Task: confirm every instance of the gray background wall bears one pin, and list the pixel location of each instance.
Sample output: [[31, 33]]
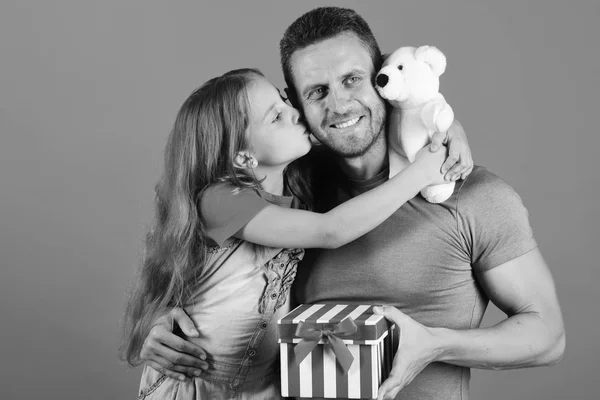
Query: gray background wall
[[88, 93]]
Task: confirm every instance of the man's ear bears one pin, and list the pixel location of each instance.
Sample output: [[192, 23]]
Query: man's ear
[[244, 160]]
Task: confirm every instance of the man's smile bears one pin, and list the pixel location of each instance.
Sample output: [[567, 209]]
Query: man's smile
[[346, 124]]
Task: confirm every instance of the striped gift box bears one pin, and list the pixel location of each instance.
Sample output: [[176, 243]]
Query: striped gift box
[[320, 373]]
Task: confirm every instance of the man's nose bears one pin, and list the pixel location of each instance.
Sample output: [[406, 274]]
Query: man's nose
[[339, 101]]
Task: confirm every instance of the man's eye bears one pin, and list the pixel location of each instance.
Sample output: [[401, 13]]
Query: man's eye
[[316, 94], [354, 79]]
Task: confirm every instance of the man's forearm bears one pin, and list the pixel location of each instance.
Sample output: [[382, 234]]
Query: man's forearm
[[522, 340]]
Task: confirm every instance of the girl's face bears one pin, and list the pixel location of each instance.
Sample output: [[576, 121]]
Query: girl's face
[[275, 134]]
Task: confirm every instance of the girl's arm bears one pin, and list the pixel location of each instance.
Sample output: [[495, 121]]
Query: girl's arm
[[276, 226]]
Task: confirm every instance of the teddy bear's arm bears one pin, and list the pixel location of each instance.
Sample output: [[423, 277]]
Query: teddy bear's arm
[[437, 115]]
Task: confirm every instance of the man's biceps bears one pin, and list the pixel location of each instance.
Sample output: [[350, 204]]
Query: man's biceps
[[522, 283]]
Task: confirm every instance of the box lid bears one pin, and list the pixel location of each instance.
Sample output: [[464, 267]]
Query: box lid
[[370, 328]]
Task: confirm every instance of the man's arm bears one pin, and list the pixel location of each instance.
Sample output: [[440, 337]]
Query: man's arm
[[531, 335]]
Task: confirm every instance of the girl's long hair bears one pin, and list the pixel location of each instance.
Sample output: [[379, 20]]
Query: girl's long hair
[[210, 128]]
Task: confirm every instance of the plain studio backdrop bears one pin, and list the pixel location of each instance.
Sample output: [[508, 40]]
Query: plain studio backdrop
[[89, 91]]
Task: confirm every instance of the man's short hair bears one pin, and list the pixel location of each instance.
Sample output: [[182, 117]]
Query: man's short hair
[[321, 24]]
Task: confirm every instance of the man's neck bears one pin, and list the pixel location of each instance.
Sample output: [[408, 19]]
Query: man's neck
[[368, 165]]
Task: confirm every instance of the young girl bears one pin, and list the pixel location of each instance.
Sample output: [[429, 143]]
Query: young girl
[[231, 223]]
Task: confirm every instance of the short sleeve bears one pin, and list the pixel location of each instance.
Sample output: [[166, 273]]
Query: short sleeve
[[493, 220], [225, 210]]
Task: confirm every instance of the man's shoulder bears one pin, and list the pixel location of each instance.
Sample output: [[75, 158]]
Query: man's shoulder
[[483, 188], [493, 219], [482, 183]]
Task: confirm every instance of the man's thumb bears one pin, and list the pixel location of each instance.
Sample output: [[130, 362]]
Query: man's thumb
[[185, 323], [378, 310], [390, 312]]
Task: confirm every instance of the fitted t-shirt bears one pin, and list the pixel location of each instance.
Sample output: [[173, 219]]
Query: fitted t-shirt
[[425, 260]]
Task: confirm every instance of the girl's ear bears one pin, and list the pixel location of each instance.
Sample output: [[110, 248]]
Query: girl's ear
[[244, 160]]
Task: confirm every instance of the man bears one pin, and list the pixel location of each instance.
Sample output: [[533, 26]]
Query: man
[[435, 264]]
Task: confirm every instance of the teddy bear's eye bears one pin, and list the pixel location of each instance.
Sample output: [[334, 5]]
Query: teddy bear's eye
[[400, 67]]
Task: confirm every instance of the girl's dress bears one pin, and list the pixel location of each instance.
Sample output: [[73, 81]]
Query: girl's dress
[[242, 291]]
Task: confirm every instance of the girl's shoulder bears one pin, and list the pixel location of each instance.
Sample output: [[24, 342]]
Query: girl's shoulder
[[222, 189], [226, 197], [225, 194], [226, 208]]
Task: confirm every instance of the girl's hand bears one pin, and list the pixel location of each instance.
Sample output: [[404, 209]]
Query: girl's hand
[[459, 163], [429, 163]]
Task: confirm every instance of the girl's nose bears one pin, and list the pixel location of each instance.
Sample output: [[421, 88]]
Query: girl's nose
[[296, 116]]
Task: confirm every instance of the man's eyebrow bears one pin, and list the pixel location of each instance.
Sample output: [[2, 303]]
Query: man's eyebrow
[[355, 71]]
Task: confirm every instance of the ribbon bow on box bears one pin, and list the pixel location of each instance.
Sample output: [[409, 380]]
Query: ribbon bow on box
[[311, 335]]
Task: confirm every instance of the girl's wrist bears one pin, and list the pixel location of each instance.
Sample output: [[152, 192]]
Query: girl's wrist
[[420, 175]]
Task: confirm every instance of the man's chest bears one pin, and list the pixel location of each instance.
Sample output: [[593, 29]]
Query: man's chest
[[416, 257]]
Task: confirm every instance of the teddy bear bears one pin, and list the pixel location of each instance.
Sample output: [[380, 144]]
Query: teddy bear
[[409, 81]]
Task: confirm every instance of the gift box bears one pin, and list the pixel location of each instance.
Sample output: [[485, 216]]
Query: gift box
[[334, 351]]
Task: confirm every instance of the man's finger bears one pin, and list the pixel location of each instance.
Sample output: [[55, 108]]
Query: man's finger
[[389, 388], [394, 392], [180, 345], [391, 313], [184, 322], [167, 365], [180, 359], [171, 374], [176, 366]]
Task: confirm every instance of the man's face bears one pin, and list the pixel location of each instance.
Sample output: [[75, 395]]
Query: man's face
[[333, 81]]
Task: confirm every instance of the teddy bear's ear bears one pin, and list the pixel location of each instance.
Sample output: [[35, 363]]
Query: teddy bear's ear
[[432, 56]]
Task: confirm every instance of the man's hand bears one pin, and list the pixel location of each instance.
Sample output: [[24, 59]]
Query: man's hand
[[416, 350], [459, 163], [170, 354]]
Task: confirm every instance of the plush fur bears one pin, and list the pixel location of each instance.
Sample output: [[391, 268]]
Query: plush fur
[[409, 81]]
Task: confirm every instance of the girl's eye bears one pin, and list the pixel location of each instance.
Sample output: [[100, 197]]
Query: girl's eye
[[277, 117]]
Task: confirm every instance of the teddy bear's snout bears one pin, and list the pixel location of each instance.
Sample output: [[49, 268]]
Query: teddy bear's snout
[[382, 80]]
